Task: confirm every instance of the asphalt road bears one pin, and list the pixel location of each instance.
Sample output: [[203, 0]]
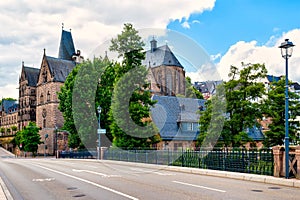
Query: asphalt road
[[91, 179]]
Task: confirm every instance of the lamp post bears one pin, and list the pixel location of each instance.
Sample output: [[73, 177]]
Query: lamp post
[[286, 52], [98, 131]]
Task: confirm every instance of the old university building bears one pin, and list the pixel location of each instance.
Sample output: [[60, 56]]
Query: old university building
[[38, 98]]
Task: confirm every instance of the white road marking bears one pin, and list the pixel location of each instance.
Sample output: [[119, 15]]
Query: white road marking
[[199, 186], [43, 179], [154, 172], [97, 173], [89, 182]]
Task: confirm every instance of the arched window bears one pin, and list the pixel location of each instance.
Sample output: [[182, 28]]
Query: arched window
[[48, 96], [42, 99]]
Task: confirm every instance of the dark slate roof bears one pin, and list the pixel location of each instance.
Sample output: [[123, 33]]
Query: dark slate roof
[[296, 86], [60, 68], [272, 78], [207, 86], [169, 111], [255, 133], [66, 47], [161, 56], [6, 104], [13, 108], [32, 75]]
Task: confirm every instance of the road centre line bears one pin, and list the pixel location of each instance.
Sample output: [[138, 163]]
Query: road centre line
[[199, 186], [89, 182]]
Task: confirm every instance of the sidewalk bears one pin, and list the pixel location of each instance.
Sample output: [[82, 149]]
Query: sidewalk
[[234, 175]]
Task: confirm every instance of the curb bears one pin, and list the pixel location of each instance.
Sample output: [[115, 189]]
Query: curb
[[224, 174]]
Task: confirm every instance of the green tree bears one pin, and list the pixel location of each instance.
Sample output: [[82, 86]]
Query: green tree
[[275, 109], [243, 94], [29, 137], [77, 102], [14, 128], [104, 94], [2, 130], [131, 102], [127, 41], [65, 106]]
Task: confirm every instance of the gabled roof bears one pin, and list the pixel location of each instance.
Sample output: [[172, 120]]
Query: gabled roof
[[161, 56], [60, 68], [6, 104], [170, 111], [66, 47], [32, 75]]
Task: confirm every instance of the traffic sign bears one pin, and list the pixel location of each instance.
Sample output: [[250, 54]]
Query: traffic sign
[[101, 131]]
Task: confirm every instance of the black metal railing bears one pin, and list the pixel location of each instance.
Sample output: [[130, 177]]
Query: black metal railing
[[236, 160], [78, 154]]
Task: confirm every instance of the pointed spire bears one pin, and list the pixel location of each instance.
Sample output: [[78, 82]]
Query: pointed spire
[[62, 26], [44, 51], [66, 47]]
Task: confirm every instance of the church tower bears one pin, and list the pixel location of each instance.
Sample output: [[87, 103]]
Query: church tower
[[166, 74]]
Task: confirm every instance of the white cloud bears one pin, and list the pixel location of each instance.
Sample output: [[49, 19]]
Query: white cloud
[[250, 52], [186, 25], [27, 27]]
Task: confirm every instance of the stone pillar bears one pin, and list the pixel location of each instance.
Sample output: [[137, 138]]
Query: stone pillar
[[297, 152], [278, 152], [102, 150]]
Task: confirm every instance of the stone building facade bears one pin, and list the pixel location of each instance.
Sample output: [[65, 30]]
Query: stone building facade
[[38, 94], [27, 96], [8, 117]]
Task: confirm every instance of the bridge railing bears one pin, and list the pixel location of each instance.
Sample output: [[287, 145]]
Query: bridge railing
[[236, 160]]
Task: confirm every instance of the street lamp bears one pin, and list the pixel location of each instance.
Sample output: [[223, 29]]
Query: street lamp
[[286, 52], [98, 131]]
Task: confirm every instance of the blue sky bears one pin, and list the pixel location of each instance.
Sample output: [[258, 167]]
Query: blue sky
[[229, 31], [231, 21]]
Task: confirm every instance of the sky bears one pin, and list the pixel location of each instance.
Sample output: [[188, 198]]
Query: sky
[[228, 31]]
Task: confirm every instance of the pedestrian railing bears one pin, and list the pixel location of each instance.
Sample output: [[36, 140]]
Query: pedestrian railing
[[236, 160]]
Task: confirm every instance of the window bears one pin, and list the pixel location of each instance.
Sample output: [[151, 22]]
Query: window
[[44, 123], [189, 126], [42, 99], [48, 96]]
